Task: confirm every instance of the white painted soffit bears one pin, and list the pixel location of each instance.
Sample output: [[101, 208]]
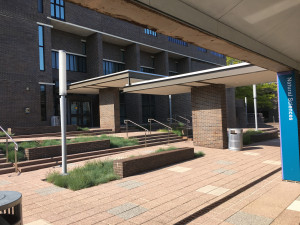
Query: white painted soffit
[[264, 33], [242, 74]]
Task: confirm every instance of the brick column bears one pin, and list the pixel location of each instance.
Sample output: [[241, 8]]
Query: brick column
[[94, 53], [181, 104], [230, 108], [133, 101], [109, 108], [209, 116], [161, 63]]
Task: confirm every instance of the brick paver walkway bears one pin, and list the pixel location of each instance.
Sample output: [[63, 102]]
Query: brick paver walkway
[[224, 187]]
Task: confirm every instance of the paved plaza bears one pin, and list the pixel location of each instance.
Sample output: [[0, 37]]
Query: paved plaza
[[223, 187]]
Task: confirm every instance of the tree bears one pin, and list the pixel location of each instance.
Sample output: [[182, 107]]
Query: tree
[[231, 61], [266, 96]]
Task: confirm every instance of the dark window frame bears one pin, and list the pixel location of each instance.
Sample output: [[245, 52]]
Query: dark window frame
[[112, 67], [74, 63], [40, 6], [41, 47], [60, 6]]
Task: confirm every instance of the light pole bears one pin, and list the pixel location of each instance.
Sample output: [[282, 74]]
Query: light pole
[[63, 119], [255, 106]]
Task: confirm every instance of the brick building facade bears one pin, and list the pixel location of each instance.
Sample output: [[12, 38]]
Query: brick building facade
[[31, 33]]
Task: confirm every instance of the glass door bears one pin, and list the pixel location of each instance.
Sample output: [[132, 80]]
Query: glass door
[[80, 113]]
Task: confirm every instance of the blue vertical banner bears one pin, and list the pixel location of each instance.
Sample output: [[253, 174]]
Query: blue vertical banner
[[289, 129]]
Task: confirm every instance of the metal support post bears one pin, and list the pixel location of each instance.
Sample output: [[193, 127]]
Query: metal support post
[[255, 106]]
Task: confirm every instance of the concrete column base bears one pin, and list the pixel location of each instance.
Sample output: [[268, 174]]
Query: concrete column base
[[209, 116]]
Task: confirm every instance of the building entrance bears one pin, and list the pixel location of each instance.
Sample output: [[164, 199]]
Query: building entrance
[[80, 113]]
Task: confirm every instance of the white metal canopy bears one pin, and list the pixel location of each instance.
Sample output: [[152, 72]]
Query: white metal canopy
[[242, 74]]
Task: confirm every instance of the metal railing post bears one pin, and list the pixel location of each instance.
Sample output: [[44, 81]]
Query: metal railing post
[[145, 139], [6, 149], [168, 136], [127, 129], [126, 122], [150, 127], [16, 148]]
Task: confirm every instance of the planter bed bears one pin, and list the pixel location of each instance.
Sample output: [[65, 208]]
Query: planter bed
[[55, 150], [264, 136], [132, 166]]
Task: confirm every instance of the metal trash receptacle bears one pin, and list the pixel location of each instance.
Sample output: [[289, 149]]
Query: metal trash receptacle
[[235, 139], [11, 208]]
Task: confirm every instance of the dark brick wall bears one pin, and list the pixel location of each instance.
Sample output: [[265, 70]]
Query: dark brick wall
[[19, 57], [94, 49], [209, 116], [133, 101], [146, 59], [19, 64], [52, 151], [132, 166], [112, 52], [173, 64]]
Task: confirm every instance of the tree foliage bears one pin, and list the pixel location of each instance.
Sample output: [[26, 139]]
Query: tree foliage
[[266, 96], [231, 61]]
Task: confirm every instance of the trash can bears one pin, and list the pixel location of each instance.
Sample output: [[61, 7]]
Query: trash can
[[11, 208], [235, 139]]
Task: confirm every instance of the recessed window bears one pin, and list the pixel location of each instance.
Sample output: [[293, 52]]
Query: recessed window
[[150, 32], [177, 41], [40, 6], [41, 48], [43, 102], [147, 69], [202, 49], [112, 67], [218, 54], [58, 9], [74, 63]]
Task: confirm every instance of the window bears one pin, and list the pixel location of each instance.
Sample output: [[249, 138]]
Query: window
[[41, 48], [58, 9], [177, 41], [150, 32], [217, 54], [112, 67], [40, 6], [147, 69], [74, 63], [148, 107], [202, 49], [43, 102]]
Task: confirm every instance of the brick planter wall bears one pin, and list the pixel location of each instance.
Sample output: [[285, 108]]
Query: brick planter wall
[[264, 136], [39, 130], [55, 150], [132, 166]]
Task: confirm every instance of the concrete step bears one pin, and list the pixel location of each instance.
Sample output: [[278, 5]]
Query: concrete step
[[142, 141], [2, 160], [31, 165], [7, 170], [152, 136], [6, 165]]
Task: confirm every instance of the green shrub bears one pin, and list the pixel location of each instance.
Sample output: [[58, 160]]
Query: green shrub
[[82, 128], [165, 149], [92, 174], [247, 136], [177, 131], [199, 154]]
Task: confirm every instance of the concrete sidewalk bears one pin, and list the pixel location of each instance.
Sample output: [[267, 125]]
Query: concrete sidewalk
[[223, 187]]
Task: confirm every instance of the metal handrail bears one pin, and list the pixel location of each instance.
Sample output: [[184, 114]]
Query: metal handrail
[[126, 122], [169, 128], [16, 148], [171, 119], [187, 120]]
